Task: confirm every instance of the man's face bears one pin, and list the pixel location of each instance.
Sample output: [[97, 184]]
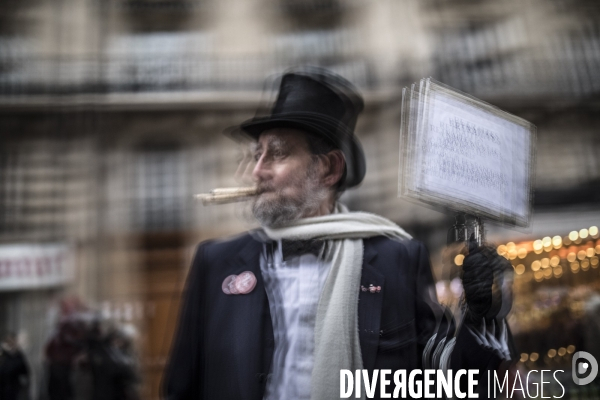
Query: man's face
[[287, 176]]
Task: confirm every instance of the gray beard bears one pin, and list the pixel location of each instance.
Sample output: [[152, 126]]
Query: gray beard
[[282, 209]]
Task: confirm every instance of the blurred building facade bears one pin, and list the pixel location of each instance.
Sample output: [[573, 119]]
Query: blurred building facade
[[111, 113]]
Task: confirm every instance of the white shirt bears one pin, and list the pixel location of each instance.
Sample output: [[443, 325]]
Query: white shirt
[[293, 288]]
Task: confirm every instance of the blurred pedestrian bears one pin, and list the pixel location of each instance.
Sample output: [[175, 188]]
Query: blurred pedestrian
[[90, 358], [14, 371], [113, 368], [61, 351], [65, 347]]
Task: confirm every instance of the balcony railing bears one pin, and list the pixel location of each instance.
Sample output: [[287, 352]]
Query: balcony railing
[[43, 75]]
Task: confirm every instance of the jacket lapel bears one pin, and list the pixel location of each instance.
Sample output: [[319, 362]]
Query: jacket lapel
[[369, 307], [254, 340]]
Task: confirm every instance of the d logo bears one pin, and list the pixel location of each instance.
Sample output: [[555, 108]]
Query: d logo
[[581, 369]]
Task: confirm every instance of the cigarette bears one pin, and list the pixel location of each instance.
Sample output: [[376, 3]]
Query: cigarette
[[226, 195]]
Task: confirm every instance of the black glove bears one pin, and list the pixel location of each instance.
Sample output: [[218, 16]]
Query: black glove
[[487, 283]]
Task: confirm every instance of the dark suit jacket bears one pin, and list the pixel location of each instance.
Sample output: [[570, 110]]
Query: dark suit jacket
[[224, 344]]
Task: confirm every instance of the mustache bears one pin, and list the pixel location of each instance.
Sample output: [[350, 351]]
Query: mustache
[[264, 187]]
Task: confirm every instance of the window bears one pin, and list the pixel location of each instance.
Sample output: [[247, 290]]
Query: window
[[160, 193]]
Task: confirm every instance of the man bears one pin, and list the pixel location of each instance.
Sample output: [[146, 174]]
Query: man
[[278, 312], [14, 371]]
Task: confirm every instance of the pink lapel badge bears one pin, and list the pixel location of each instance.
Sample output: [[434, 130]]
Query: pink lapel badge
[[243, 283], [227, 283]]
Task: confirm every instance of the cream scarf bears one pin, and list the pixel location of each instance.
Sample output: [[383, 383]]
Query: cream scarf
[[337, 343]]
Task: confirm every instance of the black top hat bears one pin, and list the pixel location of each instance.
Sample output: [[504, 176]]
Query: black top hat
[[323, 104]]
